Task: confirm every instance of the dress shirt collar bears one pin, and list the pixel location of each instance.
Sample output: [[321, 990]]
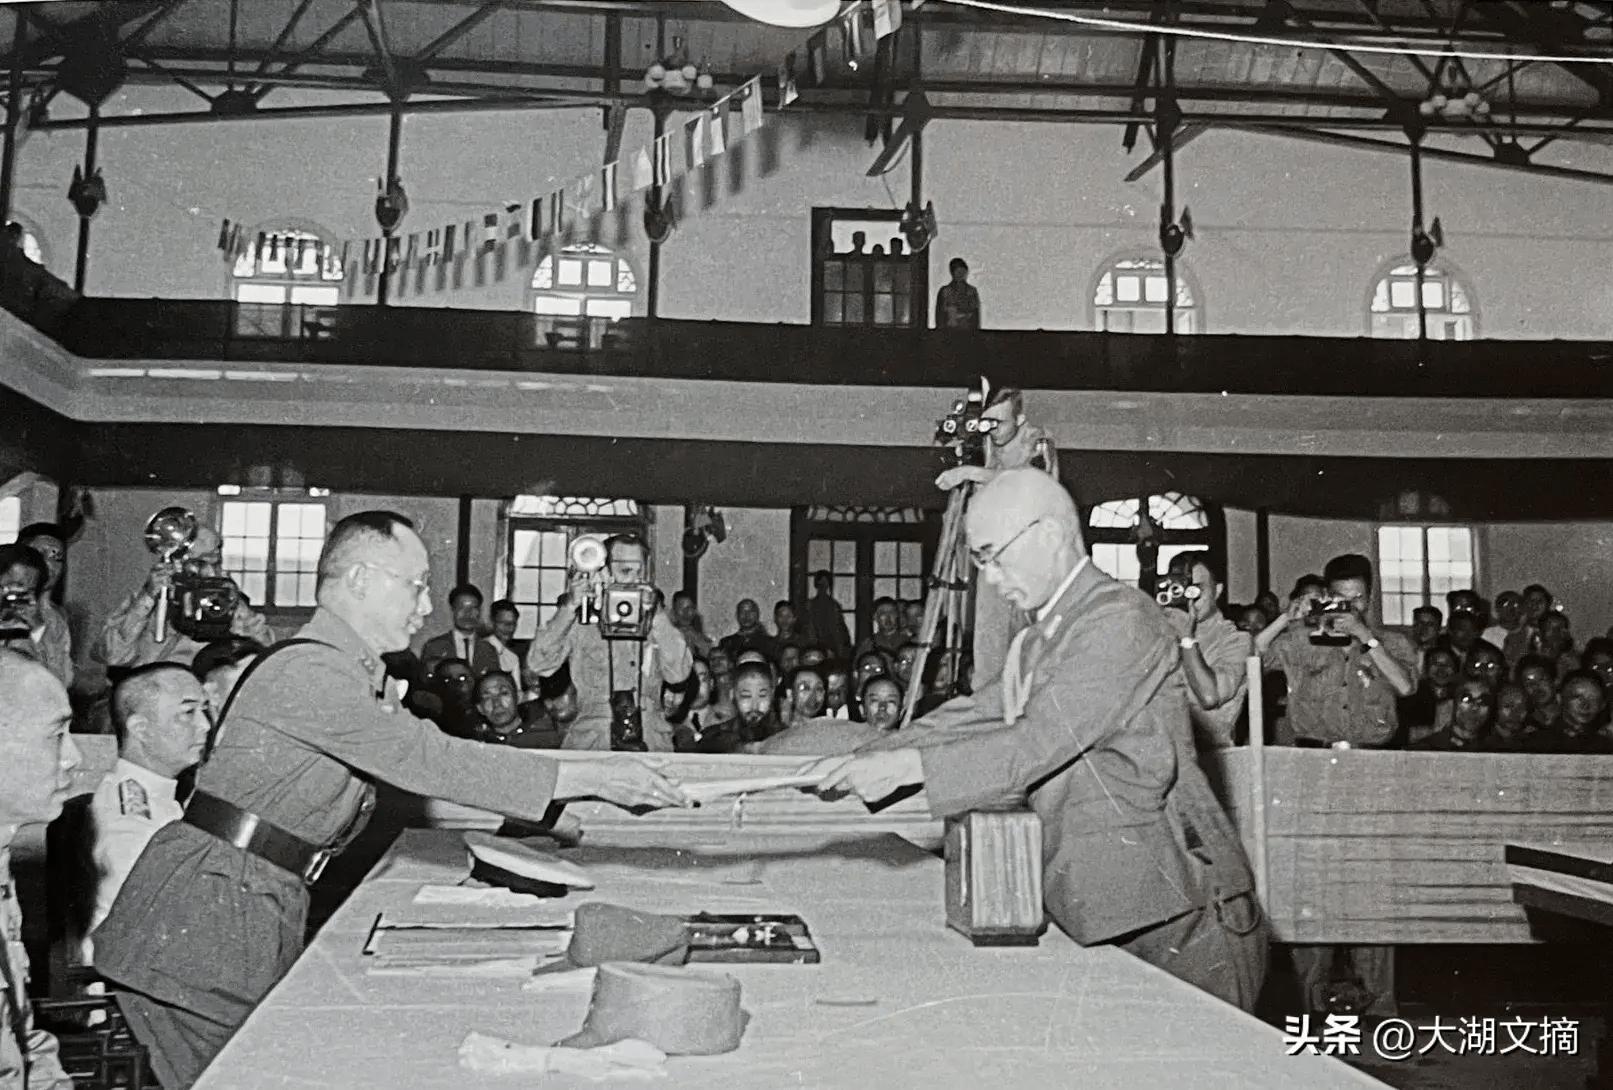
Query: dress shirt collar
[[157, 786], [1069, 580]]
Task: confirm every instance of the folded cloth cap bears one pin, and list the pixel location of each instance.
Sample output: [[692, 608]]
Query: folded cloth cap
[[604, 932], [682, 1012]]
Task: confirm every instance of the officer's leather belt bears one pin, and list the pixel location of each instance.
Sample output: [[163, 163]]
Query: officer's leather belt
[[253, 834]]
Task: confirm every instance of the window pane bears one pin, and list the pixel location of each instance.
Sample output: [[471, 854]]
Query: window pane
[[884, 557], [1155, 289], [601, 274], [834, 277], [564, 306], [312, 295], [526, 584], [10, 519], [1433, 295], [1128, 289], [884, 311], [911, 557], [854, 310], [845, 557], [1403, 294], [818, 552], [610, 308], [570, 273], [260, 293], [1119, 561], [552, 583], [257, 519], [254, 585], [885, 588]]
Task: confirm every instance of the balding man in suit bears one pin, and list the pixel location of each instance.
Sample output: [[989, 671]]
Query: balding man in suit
[[1088, 722]]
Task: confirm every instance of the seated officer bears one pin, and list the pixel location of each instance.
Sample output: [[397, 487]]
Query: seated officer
[[160, 713], [501, 721], [37, 759]]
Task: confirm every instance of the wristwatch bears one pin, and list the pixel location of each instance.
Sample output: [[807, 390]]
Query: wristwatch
[[1373, 643], [1187, 641]]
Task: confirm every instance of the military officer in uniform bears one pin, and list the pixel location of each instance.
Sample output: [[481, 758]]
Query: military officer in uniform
[[160, 713], [601, 668], [37, 758], [128, 638], [1088, 722], [214, 912]]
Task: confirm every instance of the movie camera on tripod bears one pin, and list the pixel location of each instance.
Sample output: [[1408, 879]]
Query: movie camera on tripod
[[967, 428]]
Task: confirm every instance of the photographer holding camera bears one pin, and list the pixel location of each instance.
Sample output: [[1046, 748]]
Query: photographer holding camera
[[23, 622], [1213, 648], [129, 636], [620, 659], [1344, 675]]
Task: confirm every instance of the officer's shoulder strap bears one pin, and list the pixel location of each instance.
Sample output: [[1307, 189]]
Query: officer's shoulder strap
[[240, 683]]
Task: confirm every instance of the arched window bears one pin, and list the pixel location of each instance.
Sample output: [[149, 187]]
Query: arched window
[[586, 281], [1447, 298], [1185, 524], [288, 265], [32, 246], [869, 553], [1129, 297]]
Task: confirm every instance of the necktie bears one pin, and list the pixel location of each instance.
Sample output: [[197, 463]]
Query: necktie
[[1014, 683]]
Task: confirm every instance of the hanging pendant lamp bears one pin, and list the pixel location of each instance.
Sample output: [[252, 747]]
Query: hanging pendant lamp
[[797, 14]]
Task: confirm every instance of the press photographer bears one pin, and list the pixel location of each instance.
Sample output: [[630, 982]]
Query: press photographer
[[622, 650], [185, 602], [1344, 674], [1213, 649], [23, 575]]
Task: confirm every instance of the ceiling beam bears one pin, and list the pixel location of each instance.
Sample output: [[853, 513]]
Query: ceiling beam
[[1527, 30], [503, 99], [460, 29], [1362, 143]]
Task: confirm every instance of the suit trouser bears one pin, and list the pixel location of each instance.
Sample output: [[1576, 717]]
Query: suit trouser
[[1374, 965], [1221, 948], [180, 1043]]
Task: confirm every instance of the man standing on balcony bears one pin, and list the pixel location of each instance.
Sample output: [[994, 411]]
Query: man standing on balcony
[[957, 304]]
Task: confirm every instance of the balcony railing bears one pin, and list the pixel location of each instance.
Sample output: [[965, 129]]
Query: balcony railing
[[157, 329]]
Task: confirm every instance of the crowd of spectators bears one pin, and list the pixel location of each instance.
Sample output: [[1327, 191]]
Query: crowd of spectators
[[1507, 676]]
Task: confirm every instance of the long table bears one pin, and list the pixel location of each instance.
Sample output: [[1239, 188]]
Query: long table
[[898, 1000]]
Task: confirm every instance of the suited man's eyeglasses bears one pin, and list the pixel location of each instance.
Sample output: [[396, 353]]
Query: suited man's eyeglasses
[[990, 557]]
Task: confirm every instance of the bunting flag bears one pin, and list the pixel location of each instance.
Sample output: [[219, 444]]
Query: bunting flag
[[787, 92], [432, 254], [887, 17], [694, 131], [717, 127], [591, 206], [662, 173], [751, 107], [818, 58]]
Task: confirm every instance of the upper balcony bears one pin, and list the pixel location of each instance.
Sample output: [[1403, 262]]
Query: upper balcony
[[346, 392]]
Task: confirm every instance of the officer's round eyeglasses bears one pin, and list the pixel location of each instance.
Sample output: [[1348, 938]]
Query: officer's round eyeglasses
[[419, 586]]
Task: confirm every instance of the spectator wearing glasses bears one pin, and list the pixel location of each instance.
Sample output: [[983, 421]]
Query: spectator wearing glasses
[[24, 625]]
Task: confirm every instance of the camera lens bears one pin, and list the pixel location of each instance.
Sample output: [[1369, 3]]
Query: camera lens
[[624, 610]]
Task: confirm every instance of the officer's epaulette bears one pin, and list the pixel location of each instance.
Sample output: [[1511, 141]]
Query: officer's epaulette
[[132, 799]]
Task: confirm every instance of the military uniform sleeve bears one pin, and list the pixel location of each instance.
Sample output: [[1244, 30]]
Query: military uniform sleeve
[[118, 643], [335, 712], [552, 644], [58, 647], [1104, 675]]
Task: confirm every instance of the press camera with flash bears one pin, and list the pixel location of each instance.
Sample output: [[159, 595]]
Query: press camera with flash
[[623, 611]]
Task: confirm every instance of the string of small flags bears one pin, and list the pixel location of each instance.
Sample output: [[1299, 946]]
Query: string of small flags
[[512, 237]]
